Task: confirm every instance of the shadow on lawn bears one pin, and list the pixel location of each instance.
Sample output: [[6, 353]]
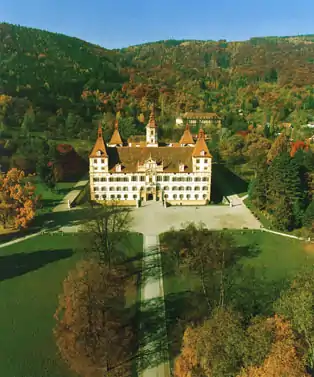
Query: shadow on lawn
[[19, 264], [227, 182]]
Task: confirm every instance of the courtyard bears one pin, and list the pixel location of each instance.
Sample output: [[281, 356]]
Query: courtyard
[[153, 218]]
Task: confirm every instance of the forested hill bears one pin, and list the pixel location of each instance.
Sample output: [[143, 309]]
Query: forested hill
[[51, 82], [52, 70]]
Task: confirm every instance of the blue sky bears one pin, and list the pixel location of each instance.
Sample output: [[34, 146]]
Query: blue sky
[[120, 23]]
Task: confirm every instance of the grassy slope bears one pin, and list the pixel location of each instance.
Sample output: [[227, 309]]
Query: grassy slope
[[31, 275], [275, 259]]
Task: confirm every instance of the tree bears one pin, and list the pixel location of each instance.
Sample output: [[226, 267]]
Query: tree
[[92, 331], [231, 149], [17, 199], [126, 127], [213, 348], [107, 230], [308, 218], [283, 359], [28, 121], [46, 162], [296, 304], [256, 149], [280, 145]]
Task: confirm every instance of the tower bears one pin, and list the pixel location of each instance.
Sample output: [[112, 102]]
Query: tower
[[151, 130]]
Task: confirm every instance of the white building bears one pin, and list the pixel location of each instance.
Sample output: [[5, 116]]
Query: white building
[[179, 173]]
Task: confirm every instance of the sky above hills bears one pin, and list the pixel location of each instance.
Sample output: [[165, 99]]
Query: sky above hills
[[120, 23]]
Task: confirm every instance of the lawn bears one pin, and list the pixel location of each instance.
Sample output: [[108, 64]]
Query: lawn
[[266, 264], [31, 275]]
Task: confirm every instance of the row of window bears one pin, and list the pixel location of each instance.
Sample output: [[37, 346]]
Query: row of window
[[102, 161], [166, 188], [119, 197], [205, 161], [165, 178], [183, 197]]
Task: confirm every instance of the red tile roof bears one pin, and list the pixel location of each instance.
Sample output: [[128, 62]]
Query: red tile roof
[[201, 146], [116, 138], [187, 136], [99, 146]]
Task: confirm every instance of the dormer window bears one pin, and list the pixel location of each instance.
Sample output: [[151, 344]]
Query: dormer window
[[118, 168], [98, 153], [181, 167], [202, 153]]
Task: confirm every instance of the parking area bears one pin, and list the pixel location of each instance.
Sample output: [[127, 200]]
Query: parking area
[[153, 218]]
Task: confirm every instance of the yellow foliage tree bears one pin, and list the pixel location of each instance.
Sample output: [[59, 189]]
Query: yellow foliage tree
[[17, 199]]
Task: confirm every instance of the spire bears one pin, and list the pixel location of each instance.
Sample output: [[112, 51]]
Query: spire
[[186, 137], [152, 120], [99, 149], [99, 130], [116, 138], [201, 149]]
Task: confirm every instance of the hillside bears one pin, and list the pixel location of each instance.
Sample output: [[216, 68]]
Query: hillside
[[58, 84]]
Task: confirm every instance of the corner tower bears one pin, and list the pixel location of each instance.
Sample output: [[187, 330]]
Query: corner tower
[[151, 130]]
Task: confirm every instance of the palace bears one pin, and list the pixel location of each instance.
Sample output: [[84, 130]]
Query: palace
[[176, 174]]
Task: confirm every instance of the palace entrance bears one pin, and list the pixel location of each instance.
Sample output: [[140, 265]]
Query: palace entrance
[[150, 196]]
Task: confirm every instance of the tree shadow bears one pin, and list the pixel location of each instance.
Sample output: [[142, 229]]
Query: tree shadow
[[19, 264], [227, 182]]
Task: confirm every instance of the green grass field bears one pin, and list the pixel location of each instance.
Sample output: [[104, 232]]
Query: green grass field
[[268, 264], [31, 275]]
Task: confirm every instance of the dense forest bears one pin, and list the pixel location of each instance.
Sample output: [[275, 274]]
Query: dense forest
[[61, 84]]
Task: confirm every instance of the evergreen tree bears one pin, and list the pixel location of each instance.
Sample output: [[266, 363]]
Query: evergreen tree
[[308, 218], [28, 121]]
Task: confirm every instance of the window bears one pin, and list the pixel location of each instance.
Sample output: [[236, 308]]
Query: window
[[197, 168], [166, 196], [166, 188], [125, 188], [95, 161], [96, 179], [125, 179], [206, 161], [135, 197], [174, 188], [181, 188], [152, 140], [95, 167], [189, 188], [104, 197], [96, 196], [150, 179], [111, 179], [196, 188], [103, 179], [111, 188], [102, 168], [125, 196], [202, 153], [204, 196], [188, 196], [166, 178], [181, 196], [134, 188], [96, 188], [112, 196], [102, 161], [204, 188], [189, 179], [175, 196], [134, 178], [196, 196], [174, 179], [118, 188], [118, 196], [159, 178], [197, 179], [197, 160], [151, 133], [142, 178], [104, 189], [205, 179]]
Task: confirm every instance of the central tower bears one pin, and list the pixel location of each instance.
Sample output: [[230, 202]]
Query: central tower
[[151, 130]]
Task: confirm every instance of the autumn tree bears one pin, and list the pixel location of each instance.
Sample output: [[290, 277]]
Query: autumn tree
[[296, 304], [256, 149], [283, 358], [17, 199], [280, 145], [106, 231], [92, 332]]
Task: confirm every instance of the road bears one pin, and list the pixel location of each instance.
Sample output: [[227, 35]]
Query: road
[[154, 352]]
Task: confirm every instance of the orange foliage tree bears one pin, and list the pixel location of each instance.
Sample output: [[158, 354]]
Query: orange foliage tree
[[17, 199], [283, 359], [92, 332], [296, 146], [187, 360]]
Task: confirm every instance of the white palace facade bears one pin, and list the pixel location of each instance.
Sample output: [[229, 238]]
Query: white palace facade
[[176, 174]]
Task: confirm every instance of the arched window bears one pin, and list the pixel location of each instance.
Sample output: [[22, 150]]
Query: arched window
[[166, 196], [112, 196], [204, 196], [205, 188], [196, 196], [175, 196], [174, 188], [197, 179], [125, 188], [104, 197], [125, 196], [97, 196], [134, 197], [104, 188], [181, 196], [111, 188], [188, 196], [197, 188], [166, 188], [181, 188], [205, 179], [118, 188], [119, 196], [189, 188]]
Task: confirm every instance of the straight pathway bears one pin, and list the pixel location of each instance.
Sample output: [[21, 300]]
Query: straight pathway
[[70, 197], [154, 356]]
